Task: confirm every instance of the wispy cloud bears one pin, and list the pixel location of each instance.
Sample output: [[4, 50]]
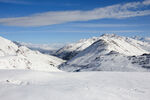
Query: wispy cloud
[[146, 2], [90, 25], [14, 1], [76, 31], [117, 11]]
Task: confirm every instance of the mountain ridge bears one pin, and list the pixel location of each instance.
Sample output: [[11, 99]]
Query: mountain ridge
[[110, 53], [69, 51]]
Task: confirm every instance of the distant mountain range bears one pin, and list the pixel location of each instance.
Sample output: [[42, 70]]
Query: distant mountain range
[[43, 48], [144, 39]]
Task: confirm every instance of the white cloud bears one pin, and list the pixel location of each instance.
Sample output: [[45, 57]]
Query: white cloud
[[44, 47], [90, 25], [77, 31], [146, 2], [49, 18]]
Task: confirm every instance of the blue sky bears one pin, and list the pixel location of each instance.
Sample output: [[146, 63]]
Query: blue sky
[[64, 21]]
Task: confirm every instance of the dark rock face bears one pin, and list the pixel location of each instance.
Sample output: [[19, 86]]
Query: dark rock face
[[66, 55], [143, 60]]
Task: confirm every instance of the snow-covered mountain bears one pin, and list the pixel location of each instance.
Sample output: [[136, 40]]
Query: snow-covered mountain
[[112, 53], [13, 56], [70, 50]]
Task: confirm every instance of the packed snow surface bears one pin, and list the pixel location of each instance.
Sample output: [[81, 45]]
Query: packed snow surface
[[34, 85]]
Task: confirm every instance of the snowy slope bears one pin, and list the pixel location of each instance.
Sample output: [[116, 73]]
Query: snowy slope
[[70, 50], [7, 47], [15, 57], [31, 85], [111, 53]]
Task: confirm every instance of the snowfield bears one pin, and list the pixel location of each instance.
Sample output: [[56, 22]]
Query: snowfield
[[33, 85]]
